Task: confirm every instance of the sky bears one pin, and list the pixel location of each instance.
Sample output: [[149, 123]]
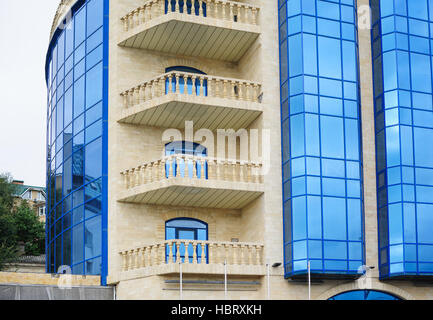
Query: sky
[[24, 35]]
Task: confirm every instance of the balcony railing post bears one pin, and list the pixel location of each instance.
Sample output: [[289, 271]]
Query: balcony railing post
[[203, 253], [177, 83], [225, 88], [234, 248], [170, 84], [170, 252], [178, 173], [143, 257], [124, 255], [177, 251], [194, 85], [194, 256], [210, 253], [186, 252], [186, 166], [217, 88], [185, 7], [200, 8], [223, 10]]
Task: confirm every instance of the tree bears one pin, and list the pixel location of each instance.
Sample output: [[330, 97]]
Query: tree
[[29, 230], [18, 225]]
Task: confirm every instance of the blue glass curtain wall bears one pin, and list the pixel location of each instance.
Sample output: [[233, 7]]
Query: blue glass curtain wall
[[77, 64], [402, 36], [321, 141]]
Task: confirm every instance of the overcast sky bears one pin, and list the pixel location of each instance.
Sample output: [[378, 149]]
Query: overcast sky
[[24, 33]]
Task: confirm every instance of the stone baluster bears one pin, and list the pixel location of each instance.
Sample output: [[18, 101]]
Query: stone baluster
[[177, 251], [125, 23], [203, 253], [202, 168], [170, 84], [249, 172], [218, 253], [258, 255], [142, 93], [177, 83], [131, 178], [185, 8], [185, 82], [143, 257], [200, 8], [201, 89], [210, 84], [225, 88], [254, 16], [210, 169], [250, 255], [186, 159], [194, 85], [232, 89], [162, 253], [194, 256], [169, 245], [124, 260], [241, 171], [234, 253], [228, 256], [226, 171], [170, 167], [217, 88], [194, 168], [210, 253], [187, 243], [231, 13], [177, 161], [223, 10]]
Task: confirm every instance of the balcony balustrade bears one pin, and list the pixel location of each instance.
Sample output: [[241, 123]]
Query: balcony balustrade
[[175, 97], [187, 180], [232, 11], [193, 27], [196, 257]]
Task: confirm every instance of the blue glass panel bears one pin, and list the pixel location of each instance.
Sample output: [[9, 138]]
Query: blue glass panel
[[78, 81]]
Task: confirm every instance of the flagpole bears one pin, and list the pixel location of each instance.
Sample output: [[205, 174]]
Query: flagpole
[[225, 279], [181, 280], [309, 280]]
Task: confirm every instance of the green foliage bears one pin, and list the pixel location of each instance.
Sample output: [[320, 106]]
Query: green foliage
[[6, 193], [18, 225], [29, 230]]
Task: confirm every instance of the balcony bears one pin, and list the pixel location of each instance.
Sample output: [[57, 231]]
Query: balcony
[[197, 257], [193, 181], [215, 29], [175, 97]]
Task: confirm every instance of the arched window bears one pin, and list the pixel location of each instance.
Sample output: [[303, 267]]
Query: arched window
[[186, 229], [188, 148], [177, 6], [364, 295], [189, 89]]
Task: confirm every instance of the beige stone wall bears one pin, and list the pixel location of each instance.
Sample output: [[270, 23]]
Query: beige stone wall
[[46, 279]]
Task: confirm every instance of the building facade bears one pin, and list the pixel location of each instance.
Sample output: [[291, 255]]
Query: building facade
[[35, 197], [259, 139]]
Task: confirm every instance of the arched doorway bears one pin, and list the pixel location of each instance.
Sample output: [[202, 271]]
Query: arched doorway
[[364, 295], [186, 229]]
